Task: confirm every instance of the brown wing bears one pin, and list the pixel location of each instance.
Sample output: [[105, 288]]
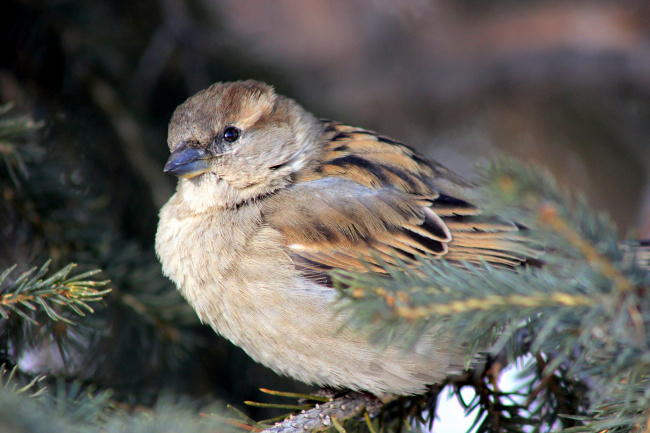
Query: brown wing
[[373, 197], [338, 223]]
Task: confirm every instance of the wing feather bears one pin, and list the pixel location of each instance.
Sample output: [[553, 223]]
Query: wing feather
[[372, 197]]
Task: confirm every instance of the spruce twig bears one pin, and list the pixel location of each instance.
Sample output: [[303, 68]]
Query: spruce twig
[[17, 134], [583, 309], [325, 415], [22, 296]]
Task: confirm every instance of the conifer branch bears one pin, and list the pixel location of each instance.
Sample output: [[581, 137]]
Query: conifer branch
[[17, 134], [9, 382], [29, 291], [583, 309], [325, 415]]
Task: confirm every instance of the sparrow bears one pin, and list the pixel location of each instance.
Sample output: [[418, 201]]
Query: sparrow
[[271, 199]]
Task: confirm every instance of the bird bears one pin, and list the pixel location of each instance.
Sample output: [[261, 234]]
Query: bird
[[271, 200]]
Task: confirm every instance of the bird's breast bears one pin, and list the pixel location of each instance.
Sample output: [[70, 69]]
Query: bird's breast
[[219, 256], [235, 272]]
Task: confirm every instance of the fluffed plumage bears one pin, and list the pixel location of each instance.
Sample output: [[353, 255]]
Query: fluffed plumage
[[270, 199]]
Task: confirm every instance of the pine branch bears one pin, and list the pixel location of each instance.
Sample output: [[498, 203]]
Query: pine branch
[[326, 415], [31, 408], [9, 382], [29, 291], [41, 313], [18, 135], [583, 310]]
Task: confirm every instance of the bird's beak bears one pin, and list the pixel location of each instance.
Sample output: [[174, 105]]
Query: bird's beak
[[187, 162]]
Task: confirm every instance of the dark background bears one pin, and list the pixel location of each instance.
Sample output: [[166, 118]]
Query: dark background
[[565, 84]]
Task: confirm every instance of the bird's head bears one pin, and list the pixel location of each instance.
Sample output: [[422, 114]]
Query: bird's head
[[241, 140]]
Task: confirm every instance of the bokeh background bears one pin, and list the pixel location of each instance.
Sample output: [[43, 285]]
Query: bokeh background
[[565, 84]]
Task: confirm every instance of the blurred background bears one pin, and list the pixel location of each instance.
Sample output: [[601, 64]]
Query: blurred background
[[565, 84]]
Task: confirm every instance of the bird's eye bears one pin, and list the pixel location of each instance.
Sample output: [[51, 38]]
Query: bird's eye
[[230, 134]]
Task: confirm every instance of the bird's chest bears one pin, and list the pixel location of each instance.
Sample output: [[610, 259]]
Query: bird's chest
[[222, 261], [200, 247]]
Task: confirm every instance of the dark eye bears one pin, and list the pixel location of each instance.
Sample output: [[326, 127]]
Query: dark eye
[[230, 134]]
